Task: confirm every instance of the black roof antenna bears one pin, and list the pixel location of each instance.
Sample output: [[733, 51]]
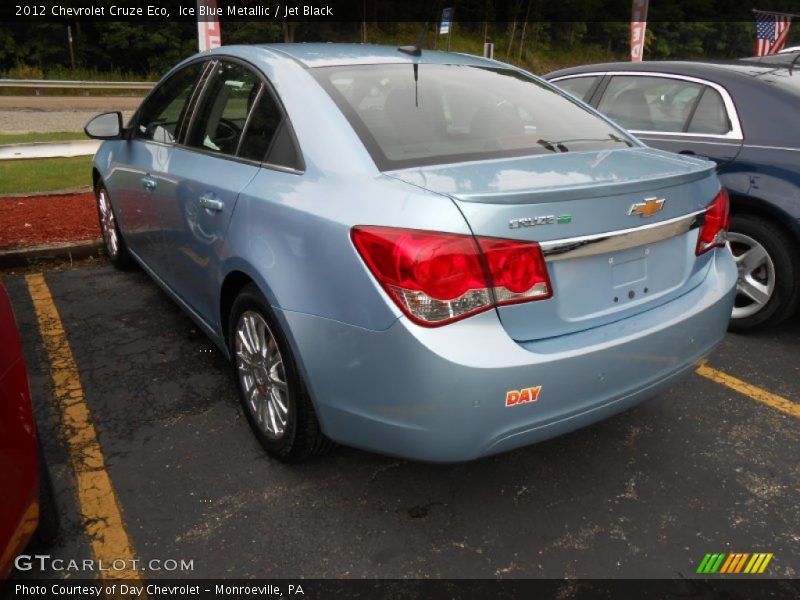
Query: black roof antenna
[[416, 50]]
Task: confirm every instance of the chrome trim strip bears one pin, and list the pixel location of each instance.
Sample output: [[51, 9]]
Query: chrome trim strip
[[771, 147], [734, 134], [614, 241], [664, 137]]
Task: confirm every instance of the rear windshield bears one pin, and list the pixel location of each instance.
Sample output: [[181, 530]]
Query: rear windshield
[[410, 116]]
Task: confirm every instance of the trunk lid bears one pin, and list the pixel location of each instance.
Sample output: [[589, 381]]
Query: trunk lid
[[604, 263]]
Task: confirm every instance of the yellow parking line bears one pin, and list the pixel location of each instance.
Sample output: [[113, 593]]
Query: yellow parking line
[[97, 499], [751, 391]]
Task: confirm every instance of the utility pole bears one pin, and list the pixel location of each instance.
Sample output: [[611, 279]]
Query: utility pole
[[71, 50]]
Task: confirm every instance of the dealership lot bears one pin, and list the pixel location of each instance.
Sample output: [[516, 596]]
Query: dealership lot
[[701, 468]]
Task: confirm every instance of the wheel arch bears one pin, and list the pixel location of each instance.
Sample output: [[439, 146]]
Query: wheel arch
[[744, 204], [237, 274], [231, 286]]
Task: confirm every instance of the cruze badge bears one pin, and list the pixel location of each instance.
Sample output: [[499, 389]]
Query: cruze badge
[[543, 220], [648, 208]]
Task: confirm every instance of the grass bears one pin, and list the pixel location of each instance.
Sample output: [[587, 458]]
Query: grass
[[44, 174], [57, 136]]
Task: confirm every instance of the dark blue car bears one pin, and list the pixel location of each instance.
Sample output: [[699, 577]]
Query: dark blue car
[[745, 116]]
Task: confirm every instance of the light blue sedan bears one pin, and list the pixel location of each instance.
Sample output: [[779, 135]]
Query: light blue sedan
[[423, 254]]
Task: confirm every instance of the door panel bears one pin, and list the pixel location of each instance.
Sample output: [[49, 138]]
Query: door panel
[[233, 127], [138, 192], [195, 221], [144, 187]]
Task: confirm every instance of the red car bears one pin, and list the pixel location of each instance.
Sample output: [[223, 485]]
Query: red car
[[28, 509]]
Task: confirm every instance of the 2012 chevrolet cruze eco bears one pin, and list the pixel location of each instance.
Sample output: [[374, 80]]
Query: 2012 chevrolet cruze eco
[[438, 256]]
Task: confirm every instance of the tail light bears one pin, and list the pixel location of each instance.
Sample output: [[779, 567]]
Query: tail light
[[715, 225], [437, 278]]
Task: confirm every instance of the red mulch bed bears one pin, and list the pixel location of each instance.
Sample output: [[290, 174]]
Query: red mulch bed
[[45, 219]]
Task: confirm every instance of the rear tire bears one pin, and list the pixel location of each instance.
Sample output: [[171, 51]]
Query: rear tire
[[113, 242], [768, 288], [271, 391]]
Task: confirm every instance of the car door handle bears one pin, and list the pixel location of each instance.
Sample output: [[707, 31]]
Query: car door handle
[[210, 202], [149, 183]]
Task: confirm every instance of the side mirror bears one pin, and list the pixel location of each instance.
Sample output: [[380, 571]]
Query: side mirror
[[105, 126]]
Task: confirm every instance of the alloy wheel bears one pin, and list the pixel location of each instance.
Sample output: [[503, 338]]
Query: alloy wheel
[[108, 224], [756, 278], [261, 372]]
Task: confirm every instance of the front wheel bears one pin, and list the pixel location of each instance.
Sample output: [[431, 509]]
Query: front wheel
[[116, 249], [768, 284], [272, 393]]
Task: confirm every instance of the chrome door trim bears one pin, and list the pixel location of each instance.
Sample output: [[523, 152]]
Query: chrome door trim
[[734, 134], [615, 241]]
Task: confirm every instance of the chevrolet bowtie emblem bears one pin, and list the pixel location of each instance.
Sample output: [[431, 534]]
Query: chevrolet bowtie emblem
[[648, 208]]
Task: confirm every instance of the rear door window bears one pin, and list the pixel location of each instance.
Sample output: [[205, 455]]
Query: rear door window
[[231, 93], [644, 103], [261, 128]]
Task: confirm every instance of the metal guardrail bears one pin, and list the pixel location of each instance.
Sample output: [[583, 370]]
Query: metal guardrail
[[68, 84], [48, 149]]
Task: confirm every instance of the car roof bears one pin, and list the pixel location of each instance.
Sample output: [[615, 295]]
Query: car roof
[[312, 55], [742, 68]]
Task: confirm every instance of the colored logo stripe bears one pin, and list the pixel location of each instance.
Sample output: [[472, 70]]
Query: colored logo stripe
[[735, 562]]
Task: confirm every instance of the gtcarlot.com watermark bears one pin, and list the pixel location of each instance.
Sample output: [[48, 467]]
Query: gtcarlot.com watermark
[[43, 562]]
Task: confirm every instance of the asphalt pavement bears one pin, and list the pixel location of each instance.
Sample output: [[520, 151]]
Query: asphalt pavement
[[701, 468]]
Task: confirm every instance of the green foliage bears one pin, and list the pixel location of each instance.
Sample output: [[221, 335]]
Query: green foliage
[[23, 71], [135, 50], [254, 32]]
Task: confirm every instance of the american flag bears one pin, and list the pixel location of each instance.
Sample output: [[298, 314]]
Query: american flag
[[771, 32]]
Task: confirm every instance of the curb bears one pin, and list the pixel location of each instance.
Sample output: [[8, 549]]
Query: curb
[[18, 257]]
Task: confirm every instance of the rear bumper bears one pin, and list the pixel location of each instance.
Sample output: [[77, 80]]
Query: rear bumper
[[440, 394]]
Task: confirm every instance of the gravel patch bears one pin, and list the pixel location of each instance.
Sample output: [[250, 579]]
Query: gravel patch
[[43, 114]]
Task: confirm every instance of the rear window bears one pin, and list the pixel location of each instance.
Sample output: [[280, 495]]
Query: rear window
[[437, 114]]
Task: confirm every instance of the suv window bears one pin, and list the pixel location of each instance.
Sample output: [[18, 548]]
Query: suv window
[[650, 103], [577, 86], [162, 113], [232, 91]]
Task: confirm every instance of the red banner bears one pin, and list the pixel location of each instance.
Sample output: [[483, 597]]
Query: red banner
[[208, 32], [638, 27]]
